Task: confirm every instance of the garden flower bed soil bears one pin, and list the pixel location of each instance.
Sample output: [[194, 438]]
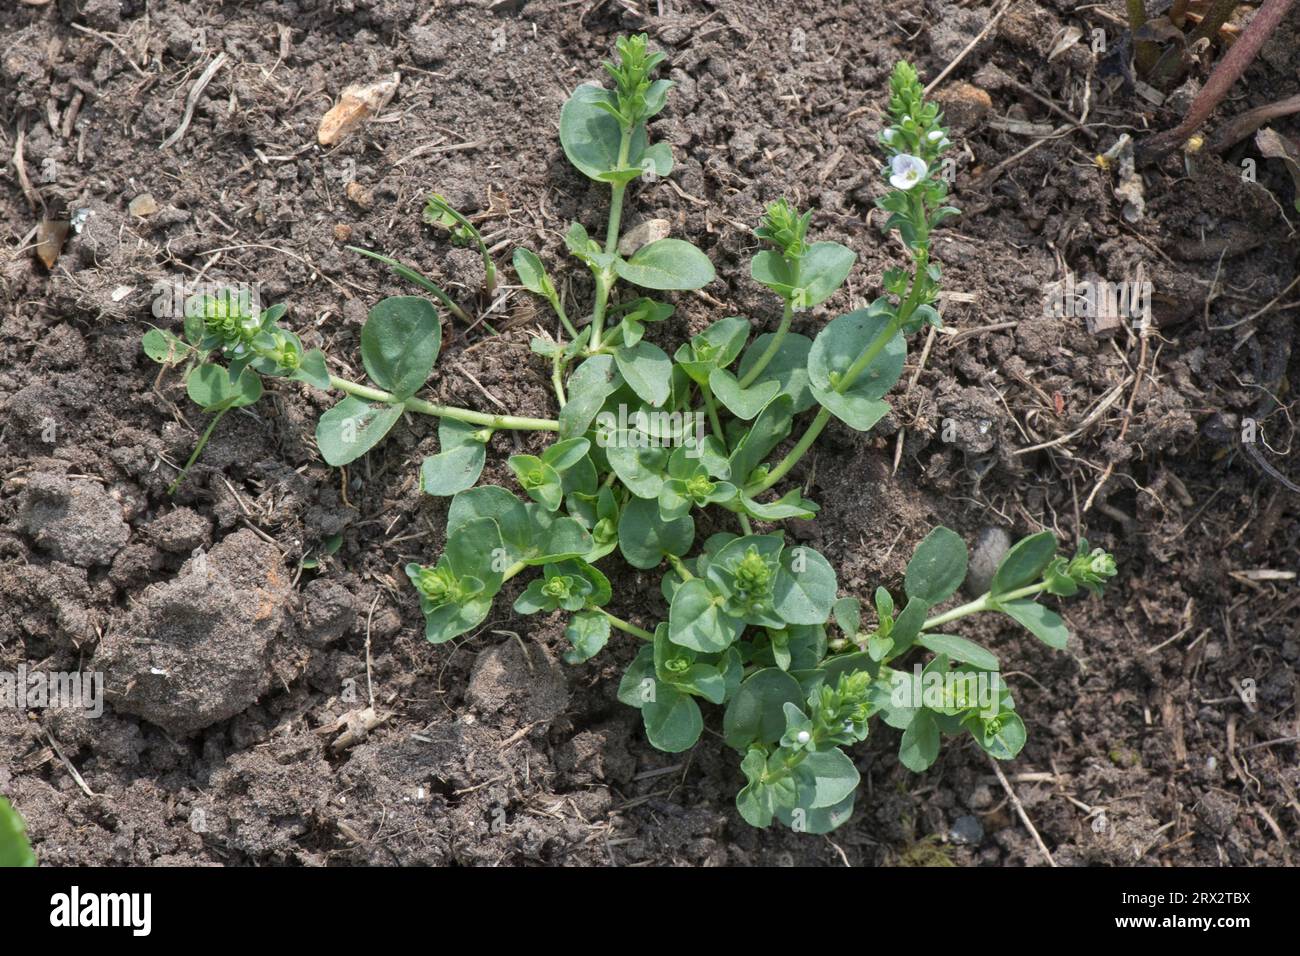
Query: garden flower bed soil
[[309, 723]]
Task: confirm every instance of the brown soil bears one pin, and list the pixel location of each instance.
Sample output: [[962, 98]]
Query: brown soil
[[494, 752]]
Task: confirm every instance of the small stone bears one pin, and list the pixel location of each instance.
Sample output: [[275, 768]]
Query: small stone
[[964, 104], [142, 206], [342, 232], [359, 194], [991, 545], [966, 831]]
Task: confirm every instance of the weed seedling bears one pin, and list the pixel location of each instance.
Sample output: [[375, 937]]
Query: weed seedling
[[755, 622]]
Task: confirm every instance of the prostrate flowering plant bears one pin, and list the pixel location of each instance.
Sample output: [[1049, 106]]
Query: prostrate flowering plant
[[755, 623]]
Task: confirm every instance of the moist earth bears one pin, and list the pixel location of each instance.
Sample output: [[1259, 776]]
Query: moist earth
[[265, 709]]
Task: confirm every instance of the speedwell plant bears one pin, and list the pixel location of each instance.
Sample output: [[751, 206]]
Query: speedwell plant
[[645, 442]]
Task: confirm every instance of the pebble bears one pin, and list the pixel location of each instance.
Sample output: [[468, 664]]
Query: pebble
[[991, 545], [142, 206], [966, 831]]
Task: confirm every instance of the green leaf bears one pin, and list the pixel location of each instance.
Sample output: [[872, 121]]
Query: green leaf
[[531, 272], [639, 467], [1002, 738], [772, 270], [757, 713], [15, 850], [848, 615], [656, 158], [510, 514], [162, 346], [790, 505], [460, 462], [588, 632], [452, 620], [644, 537], [769, 429], [313, 370], [754, 802], [590, 384], [566, 454], [817, 820], [960, 649], [920, 745], [670, 264], [1023, 564], [788, 368], [638, 685], [554, 537], [744, 403], [715, 347], [474, 550], [539, 480], [1044, 624], [937, 568], [830, 776], [400, 342], [822, 270], [908, 625], [450, 472], [591, 136], [841, 664], [673, 722], [805, 586], [696, 620], [210, 387], [352, 427], [835, 350], [647, 369]]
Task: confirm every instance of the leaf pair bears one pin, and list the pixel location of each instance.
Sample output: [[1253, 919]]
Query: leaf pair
[[399, 345]]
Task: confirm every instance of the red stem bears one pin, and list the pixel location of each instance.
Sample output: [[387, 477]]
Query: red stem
[[1227, 73]]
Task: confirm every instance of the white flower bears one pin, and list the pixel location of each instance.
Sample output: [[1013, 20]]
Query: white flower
[[907, 171], [888, 134], [934, 135], [803, 736]]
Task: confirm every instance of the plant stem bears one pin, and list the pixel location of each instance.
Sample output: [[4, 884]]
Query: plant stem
[[412, 276], [564, 319], [194, 456], [869, 355], [985, 602], [1146, 52], [623, 625], [679, 566], [772, 349], [557, 378], [712, 406], [823, 416], [1225, 74], [604, 283], [510, 422]]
